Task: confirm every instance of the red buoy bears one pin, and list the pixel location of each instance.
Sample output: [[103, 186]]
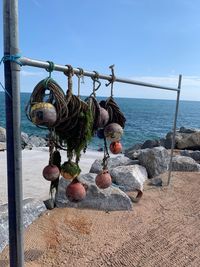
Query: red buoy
[[116, 147], [51, 172], [75, 191], [103, 179]]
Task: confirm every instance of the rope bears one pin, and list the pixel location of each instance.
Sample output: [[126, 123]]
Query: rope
[[95, 79], [106, 155], [112, 80], [12, 58], [56, 97], [6, 91], [80, 80]]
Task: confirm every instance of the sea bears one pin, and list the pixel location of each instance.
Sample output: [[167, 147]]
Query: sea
[[145, 118]]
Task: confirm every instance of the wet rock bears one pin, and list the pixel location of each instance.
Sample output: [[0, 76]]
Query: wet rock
[[112, 163], [108, 199], [184, 164], [129, 177], [155, 160]]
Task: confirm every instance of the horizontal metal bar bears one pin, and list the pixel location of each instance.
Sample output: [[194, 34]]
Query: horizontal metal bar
[[44, 64]]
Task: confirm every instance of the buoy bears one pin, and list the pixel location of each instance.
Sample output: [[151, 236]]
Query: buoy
[[103, 179], [103, 117], [51, 172], [75, 191], [70, 170], [116, 147], [113, 132], [43, 114]]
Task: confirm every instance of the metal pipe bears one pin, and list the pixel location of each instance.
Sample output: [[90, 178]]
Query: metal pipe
[[13, 123], [174, 129], [44, 64]]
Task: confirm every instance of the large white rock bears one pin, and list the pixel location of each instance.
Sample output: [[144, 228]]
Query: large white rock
[[155, 160], [108, 199], [130, 177], [112, 163], [184, 164]]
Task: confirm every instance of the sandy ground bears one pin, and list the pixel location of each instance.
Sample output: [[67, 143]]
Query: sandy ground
[[163, 229], [33, 162]]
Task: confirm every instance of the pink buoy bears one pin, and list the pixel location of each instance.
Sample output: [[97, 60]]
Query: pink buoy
[[51, 172], [103, 179]]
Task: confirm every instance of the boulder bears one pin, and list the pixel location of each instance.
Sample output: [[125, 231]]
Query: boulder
[[192, 154], [2, 146], [150, 144], [129, 178], [2, 134], [155, 160], [130, 152], [24, 139], [187, 130], [189, 141], [36, 141], [32, 209], [186, 138], [108, 199], [112, 163], [184, 164]]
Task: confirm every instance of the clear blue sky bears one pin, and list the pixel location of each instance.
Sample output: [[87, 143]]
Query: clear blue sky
[[147, 40]]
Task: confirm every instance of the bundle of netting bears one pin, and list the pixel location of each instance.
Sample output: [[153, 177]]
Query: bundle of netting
[[47, 106]]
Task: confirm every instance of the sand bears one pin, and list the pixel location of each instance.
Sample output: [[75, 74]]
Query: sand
[[162, 230], [33, 162]]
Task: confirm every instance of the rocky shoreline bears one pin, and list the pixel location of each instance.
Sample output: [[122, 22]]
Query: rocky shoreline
[[139, 165]]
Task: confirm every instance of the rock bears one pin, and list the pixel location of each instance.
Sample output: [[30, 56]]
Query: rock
[[187, 130], [192, 154], [150, 144], [129, 177], [2, 134], [156, 181], [24, 139], [108, 199], [36, 141], [184, 164], [112, 163], [130, 151], [2, 146], [32, 209], [189, 141], [166, 143], [155, 160], [186, 138]]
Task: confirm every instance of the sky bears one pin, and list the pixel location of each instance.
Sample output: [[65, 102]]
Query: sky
[[148, 40]]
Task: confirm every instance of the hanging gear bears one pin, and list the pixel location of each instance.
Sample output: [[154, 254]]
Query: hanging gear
[[115, 114]]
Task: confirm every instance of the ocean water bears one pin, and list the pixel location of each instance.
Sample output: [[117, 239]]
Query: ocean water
[[146, 118]]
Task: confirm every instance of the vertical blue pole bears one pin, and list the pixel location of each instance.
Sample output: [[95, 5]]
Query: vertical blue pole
[[13, 128]]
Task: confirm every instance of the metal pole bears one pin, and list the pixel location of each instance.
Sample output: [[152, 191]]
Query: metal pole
[[44, 64], [174, 129], [14, 164]]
